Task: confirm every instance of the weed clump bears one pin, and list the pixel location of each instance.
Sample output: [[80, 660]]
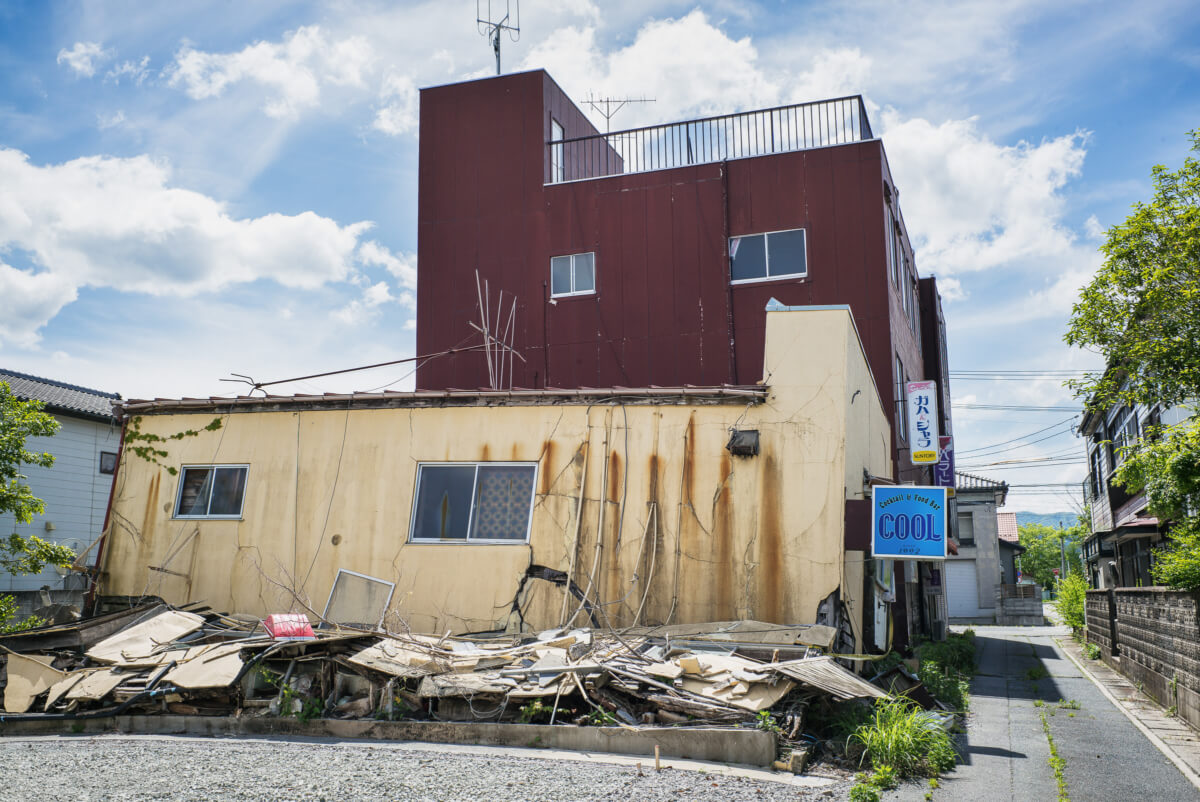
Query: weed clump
[[905, 738]]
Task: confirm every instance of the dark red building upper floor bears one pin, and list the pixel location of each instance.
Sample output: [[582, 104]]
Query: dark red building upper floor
[[647, 257]]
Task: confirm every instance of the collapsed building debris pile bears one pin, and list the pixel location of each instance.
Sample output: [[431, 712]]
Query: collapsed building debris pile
[[195, 661]]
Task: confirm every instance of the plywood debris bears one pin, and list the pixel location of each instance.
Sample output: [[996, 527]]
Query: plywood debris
[[28, 677], [141, 643], [200, 662]]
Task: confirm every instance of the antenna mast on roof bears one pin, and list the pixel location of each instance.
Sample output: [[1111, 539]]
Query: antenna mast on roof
[[607, 107], [490, 27]]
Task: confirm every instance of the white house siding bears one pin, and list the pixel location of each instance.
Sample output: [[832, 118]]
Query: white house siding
[[75, 492]]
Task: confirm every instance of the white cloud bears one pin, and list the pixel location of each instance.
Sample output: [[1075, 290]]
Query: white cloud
[[366, 308], [118, 223], [691, 67], [971, 204], [1093, 228], [106, 121], [83, 57], [30, 299], [398, 115], [135, 71], [403, 267], [294, 70]]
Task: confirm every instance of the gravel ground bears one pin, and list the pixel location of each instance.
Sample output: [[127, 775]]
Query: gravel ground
[[124, 768]]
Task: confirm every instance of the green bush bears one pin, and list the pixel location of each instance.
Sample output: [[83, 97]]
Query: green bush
[[905, 738], [948, 687], [1072, 595], [954, 654]]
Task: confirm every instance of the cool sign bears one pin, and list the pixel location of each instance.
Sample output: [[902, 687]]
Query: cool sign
[[908, 522]]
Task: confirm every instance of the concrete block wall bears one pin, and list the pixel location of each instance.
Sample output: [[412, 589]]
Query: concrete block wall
[[1013, 612], [1096, 617], [1158, 643]]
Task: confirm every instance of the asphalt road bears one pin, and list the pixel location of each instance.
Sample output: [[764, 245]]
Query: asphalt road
[[1006, 748]]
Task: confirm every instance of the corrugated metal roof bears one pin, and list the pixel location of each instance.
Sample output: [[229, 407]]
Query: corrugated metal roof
[[723, 394], [1006, 526], [60, 396]]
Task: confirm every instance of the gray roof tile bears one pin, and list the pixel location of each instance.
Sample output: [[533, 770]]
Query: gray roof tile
[[60, 396]]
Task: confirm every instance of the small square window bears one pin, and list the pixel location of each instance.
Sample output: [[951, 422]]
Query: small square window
[[573, 275], [473, 502], [762, 257], [108, 462], [211, 491]]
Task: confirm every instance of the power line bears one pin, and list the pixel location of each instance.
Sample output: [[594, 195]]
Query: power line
[[1017, 407], [1033, 373], [1007, 449], [1022, 437]]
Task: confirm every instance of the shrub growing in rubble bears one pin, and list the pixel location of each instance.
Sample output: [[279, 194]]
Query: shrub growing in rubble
[[911, 741]]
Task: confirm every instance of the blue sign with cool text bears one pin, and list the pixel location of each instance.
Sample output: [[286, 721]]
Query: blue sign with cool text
[[908, 522]]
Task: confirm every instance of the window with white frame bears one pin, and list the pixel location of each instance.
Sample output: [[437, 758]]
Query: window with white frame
[[901, 403], [771, 255], [558, 169], [896, 249], [574, 274], [211, 491], [473, 501], [966, 528]]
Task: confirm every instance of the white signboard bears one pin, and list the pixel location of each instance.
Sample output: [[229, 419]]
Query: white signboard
[[922, 421]]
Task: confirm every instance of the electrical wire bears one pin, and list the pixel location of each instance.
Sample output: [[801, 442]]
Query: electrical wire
[[1015, 439], [1013, 407]]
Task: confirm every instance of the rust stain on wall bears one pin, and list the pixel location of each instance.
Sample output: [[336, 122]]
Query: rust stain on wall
[[547, 467], [770, 545], [614, 477], [723, 564], [485, 453], [616, 511], [151, 514]]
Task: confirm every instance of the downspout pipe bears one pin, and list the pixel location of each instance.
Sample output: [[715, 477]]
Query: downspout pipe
[[89, 603]]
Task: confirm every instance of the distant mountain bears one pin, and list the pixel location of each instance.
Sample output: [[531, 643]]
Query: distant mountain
[[1047, 518]]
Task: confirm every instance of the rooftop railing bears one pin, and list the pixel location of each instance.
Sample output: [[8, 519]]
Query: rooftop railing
[[712, 139]]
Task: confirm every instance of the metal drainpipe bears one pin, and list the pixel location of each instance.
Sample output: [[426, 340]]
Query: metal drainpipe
[[733, 375], [91, 597]]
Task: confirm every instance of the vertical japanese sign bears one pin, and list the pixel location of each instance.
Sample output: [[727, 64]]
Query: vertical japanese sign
[[922, 421], [908, 522], [943, 472]]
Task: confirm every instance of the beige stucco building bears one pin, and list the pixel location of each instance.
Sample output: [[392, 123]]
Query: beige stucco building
[[478, 507]]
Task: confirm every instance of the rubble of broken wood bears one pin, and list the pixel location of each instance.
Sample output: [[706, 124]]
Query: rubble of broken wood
[[195, 661]]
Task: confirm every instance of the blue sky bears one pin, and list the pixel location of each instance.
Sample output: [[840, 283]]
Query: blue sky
[[189, 189]]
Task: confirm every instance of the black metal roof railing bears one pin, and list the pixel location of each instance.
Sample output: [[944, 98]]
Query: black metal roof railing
[[712, 139]]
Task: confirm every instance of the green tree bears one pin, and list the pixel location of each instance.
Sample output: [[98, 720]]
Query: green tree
[[1166, 467], [19, 554], [1141, 311], [1043, 553]]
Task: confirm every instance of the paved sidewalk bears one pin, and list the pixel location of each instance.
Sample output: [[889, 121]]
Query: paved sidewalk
[[1171, 734], [1023, 677]]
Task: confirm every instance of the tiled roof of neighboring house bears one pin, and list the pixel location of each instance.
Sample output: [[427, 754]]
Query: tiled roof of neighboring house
[[68, 399], [1006, 526], [969, 481]]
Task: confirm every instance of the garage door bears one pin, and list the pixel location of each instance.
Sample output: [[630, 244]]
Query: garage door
[[962, 589]]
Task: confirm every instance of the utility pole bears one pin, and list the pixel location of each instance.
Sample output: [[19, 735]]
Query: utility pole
[[1062, 549]]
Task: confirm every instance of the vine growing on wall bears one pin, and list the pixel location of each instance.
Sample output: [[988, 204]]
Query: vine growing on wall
[[147, 445]]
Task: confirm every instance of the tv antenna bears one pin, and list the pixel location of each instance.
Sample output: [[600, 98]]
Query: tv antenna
[[492, 27], [607, 107]]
